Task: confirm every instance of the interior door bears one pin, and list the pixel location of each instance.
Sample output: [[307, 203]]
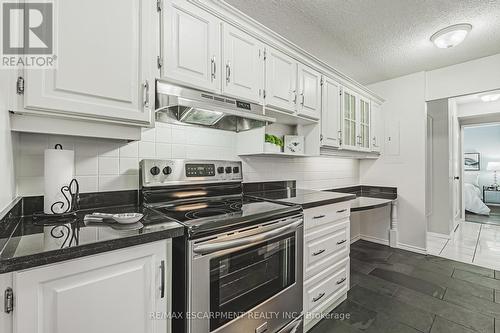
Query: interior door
[[330, 113], [309, 92], [104, 70], [281, 81], [114, 293], [191, 47], [243, 64], [349, 120]]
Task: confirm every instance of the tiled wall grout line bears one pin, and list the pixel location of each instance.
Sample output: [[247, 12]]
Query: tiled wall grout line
[[444, 247], [477, 242]]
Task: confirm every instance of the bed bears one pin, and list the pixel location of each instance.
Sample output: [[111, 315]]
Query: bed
[[472, 195]]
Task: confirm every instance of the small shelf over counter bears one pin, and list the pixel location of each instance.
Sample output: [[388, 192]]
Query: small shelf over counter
[[282, 154]]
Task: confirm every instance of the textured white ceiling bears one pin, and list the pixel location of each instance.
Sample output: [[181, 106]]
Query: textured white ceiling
[[374, 40]]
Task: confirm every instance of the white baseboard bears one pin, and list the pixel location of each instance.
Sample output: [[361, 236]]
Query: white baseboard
[[438, 235], [355, 238], [374, 239], [412, 248]]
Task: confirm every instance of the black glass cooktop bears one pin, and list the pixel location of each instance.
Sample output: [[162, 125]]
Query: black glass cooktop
[[210, 215]]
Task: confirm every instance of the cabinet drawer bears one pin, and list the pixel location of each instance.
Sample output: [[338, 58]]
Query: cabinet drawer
[[327, 287], [318, 216], [325, 245]]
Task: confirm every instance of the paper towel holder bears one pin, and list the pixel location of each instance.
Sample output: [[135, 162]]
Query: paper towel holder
[[72, 203]]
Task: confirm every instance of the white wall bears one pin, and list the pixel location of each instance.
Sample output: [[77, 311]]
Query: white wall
[[439, 219], [7, 141], [479, 108], [108, 165], [462, 79], [402, 163]]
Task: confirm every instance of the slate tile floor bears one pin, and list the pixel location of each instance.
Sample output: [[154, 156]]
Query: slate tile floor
[[395, 291]]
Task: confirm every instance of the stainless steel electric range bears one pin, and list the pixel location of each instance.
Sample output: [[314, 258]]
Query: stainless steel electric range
[[240, 267]]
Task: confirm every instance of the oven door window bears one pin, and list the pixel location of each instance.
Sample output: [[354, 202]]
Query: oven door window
[[243, 279]]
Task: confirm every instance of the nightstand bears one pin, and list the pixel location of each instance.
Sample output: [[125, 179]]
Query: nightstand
[[491, 188]]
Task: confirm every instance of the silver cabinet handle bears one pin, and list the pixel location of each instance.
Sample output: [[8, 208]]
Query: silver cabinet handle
[[213, 67], [341, 280], [146, 94], [342, 241], [342, 211], [317, 298], [162, 277], [318, 217], [228, 72], [303, 98], [317, 253], [294, 92]]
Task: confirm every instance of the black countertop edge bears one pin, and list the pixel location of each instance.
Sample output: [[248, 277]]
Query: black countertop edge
[[50, 257], [382, 192], [331, 201]]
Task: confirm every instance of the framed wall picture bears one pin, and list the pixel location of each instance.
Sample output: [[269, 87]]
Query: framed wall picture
[[472, 162]]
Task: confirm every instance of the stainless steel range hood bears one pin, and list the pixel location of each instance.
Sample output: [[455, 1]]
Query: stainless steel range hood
[[180, 105]]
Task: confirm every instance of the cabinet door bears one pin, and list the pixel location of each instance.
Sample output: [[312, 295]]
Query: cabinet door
[[191, 47], [281, 81], [376, 126], [114, 293], [349, 120], [243, 60], [309, 92], [330, 113], [102, 67], [364, 136]]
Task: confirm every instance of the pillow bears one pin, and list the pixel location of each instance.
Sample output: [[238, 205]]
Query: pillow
[[471, 177]]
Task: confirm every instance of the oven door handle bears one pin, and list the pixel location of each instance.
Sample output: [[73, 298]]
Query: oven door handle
[[219, 246]]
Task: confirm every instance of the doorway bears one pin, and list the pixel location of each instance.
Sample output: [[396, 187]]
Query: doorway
[[464, 223]]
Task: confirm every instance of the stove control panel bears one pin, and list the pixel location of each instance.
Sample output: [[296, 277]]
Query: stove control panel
[[181, 171]]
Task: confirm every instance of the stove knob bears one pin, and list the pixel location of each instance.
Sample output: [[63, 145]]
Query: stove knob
[[167, 170], [228, 169], [220, 170], [155, 171], [236, 169]]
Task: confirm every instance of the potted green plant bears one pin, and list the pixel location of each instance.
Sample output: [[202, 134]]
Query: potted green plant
[[273, 144]]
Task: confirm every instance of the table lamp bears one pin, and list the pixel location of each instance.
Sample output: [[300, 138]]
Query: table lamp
[[494, 166]]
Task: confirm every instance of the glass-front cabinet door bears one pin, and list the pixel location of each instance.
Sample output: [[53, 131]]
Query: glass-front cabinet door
[[349, 120], [364, 124]]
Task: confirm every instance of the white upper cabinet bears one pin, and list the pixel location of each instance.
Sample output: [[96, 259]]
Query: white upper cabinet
[[281, 81], [349, 120], [113, 292], [309, 103], [364, 136], [376, 126], [105, 63], [191, 48], [330, 113], [243, 65]]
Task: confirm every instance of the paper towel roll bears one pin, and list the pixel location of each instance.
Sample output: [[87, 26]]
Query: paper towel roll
[[59, 171]]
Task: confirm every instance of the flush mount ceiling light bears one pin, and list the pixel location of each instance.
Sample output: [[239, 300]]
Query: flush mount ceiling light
[[490, 97], [451, 36]]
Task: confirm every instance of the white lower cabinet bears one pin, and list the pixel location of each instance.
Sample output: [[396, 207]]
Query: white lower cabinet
[[113, 292], [326, 260]]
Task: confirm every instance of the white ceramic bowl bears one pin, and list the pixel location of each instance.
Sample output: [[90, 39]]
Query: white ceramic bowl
[[127, 218]]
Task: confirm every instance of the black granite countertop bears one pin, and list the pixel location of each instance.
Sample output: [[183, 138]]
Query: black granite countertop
[[305, 198], [24, 244], [361, 197]]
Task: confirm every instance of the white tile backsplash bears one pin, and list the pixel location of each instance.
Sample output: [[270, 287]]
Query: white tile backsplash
[[110, 165]]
